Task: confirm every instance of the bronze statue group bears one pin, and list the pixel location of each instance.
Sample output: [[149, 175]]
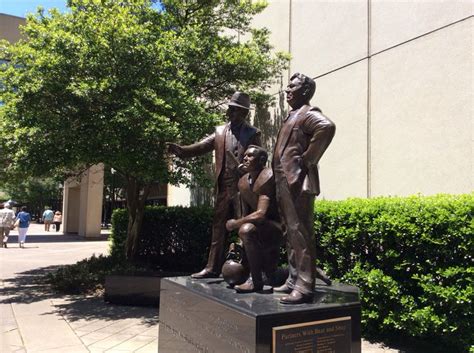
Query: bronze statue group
[[265, 204]]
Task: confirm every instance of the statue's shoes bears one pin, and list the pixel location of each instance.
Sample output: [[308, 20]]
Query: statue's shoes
[[283, 289], [248, 287], [296, 297], [204, 274]]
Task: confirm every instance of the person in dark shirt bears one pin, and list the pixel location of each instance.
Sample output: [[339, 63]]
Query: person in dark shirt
[[24, 218]]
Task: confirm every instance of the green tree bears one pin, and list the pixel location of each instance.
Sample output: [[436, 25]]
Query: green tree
[[112, 81], [34, 192]]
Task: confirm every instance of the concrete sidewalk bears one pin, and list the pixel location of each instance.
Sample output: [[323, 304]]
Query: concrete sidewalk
[[33, 319]]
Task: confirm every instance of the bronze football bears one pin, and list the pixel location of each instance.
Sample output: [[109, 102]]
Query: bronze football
[[234, 272]]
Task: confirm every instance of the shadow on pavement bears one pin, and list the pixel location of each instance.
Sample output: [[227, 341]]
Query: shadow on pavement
[[30, 287], [55, 238], [75, 308], [27, 287]]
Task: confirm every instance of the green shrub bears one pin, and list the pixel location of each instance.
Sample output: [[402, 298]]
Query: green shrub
[[412, 259], [172, 238], [88, 275], [85, 276]]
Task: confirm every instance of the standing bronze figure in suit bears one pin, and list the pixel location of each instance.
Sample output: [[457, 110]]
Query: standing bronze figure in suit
[[303, 137], [229, 142], [259, 227]]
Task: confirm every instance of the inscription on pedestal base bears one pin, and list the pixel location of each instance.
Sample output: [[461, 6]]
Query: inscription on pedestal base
[[205, 316], [325, 336]]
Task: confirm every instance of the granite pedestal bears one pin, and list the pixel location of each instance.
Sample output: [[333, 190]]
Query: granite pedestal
[[136, 290], [207, 316]]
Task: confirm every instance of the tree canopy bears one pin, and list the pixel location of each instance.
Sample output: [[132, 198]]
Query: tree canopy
[[37, 193], [113, 81]]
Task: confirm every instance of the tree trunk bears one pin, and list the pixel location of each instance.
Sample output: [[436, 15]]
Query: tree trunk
[[136, 198]]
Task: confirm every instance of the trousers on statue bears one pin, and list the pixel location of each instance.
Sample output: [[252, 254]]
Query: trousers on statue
[[227, 204], [296, 211]]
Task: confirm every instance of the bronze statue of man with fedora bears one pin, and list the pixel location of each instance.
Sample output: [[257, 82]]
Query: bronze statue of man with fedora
[[229, 141], [304, 136]]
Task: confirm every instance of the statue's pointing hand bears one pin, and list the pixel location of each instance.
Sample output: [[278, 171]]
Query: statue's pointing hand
[[175, 149]]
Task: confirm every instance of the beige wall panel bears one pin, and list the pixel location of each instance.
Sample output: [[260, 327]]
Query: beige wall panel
[[472, 107], [327, 35], [394, 21], [268, 121], [276, 17], [9, 27], [342, 96], [422, 115]]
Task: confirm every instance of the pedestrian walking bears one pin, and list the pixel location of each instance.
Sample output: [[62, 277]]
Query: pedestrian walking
[[57, 220], [24, 219], [48, 215], [7, 219]]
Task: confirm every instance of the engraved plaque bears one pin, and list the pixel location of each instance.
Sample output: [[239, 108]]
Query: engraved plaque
[[325, 336]]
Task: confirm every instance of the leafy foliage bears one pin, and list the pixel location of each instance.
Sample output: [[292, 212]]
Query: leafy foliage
[[85, 276], [88, 275], [412, 259], [172, 238], [113, 81], [36, 193]]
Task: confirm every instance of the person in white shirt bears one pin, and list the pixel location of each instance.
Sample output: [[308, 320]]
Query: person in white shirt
[[7, 219]]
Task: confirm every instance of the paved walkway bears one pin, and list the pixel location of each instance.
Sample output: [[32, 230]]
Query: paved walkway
[[33, 319]]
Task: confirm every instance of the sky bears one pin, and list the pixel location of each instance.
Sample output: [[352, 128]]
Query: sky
[[21, 7]]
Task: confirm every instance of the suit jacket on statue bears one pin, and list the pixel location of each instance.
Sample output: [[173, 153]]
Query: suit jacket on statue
[[299, 150], [249, 135]]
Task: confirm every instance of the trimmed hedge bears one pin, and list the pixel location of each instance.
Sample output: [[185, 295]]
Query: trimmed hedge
[[88, 275], [412, 259], [172, 238]]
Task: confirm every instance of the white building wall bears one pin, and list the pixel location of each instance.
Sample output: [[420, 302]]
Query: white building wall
[[327, 35], [421, 115], [342, 96], [394, 22], [396, 78], [178, 196]]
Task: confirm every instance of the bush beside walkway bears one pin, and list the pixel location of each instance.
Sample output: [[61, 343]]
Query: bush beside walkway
[[410, 256]]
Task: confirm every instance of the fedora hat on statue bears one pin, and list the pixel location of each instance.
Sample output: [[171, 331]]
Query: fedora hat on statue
[[240, 99]]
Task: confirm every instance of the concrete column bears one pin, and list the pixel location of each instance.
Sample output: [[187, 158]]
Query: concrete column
[[91, 193], [71, 202]]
